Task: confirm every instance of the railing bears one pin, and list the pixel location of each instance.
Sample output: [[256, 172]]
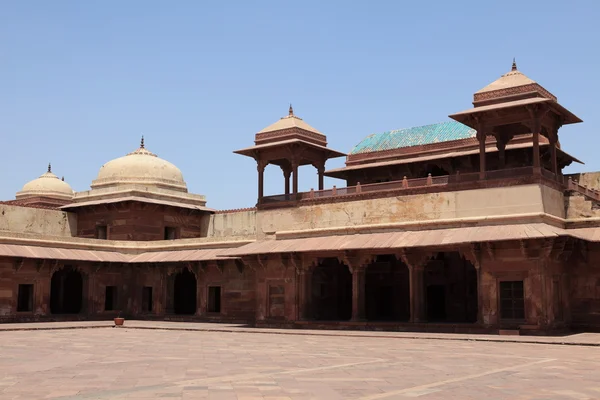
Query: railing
[[424, 182], [590, 193]]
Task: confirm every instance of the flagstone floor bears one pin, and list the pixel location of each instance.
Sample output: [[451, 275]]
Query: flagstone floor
[[122, 363]]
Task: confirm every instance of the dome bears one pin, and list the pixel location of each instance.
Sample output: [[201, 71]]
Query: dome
[[47, 185], [140, 167]]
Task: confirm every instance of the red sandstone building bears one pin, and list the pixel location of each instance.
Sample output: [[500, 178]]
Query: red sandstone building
[[465, 225]]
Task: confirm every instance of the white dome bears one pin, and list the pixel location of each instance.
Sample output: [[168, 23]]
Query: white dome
[[47, 185], [141, 167]]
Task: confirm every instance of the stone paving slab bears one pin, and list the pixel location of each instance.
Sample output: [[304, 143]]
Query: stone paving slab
[[580, 339], [128, 363]]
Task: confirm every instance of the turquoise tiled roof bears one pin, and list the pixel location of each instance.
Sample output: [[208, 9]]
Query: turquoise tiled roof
[[435, 133]]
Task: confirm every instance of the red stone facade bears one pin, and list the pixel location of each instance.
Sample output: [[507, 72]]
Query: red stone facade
[[141, 221]]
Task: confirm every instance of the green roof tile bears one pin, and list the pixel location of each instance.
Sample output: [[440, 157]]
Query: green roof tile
[[420, 135]]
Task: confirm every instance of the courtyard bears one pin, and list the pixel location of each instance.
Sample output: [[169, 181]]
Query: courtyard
[[225, 362]]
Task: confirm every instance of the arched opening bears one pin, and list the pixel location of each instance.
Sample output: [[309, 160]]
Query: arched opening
[[450, 289], [66, 291], [387, 290], [331, 291], [184, 296]]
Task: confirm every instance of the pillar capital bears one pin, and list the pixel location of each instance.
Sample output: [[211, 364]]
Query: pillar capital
[[414, 259], [261, 165], [356, 262]]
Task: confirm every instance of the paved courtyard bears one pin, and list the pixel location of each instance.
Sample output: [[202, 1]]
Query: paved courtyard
[[122, 363]]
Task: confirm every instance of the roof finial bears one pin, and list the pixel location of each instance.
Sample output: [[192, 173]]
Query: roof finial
[[142, 142], [291, 110], [49, 167], [514, 66]]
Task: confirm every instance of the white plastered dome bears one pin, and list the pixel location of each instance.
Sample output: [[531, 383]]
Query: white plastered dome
[[47, 185], [140, 167]]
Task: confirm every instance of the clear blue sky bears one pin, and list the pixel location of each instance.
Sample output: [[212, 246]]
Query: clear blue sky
[[81, 81]]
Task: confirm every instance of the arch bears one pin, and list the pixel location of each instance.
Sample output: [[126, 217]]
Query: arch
[[66, 291], [450, 289], [387, 290], [185, 288], [331, 291]]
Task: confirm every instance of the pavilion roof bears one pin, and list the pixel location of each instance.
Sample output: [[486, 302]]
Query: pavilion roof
[[290, 121], [416, 136]]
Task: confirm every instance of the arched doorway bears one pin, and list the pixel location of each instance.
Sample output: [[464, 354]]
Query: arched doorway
[[387, 290], [331, 291], [184, 296], [66, 291], [450, 289]]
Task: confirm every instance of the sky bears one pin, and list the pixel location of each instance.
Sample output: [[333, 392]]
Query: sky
[[82, 81]]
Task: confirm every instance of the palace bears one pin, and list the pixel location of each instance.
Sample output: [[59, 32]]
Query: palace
[[467, 225]]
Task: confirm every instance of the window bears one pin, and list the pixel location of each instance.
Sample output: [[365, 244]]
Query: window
[[101, 232], [512, 300], [110, 298], [170, 233], [214, 299], [25, 298], [147, 299]]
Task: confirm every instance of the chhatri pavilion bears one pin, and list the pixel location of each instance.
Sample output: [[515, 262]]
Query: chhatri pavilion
[[467, 225]]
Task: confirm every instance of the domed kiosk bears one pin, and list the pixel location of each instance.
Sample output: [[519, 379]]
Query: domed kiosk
[[141, 167], [139, 196], [48, 189]]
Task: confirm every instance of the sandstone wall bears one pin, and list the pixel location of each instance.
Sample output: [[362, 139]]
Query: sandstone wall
[[37, 220], [240, 223], [421, 207]]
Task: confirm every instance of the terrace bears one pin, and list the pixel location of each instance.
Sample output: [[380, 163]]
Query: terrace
[[494, 178]]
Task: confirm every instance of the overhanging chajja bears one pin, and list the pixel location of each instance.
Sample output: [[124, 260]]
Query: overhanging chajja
[[54, 253], [396, 240]]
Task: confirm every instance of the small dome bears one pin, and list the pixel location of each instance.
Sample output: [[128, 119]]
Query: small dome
[[140, 167], [47, 185]]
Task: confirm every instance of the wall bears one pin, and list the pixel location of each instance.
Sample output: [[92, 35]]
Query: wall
[[140, 221], [421, 207], [37, 220], [239, 223], [585, 288]]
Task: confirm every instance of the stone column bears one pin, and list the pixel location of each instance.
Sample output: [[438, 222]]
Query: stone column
[[479, 295], [535, 129], [501, 146], [358, 292], [553, 137], [286, 176], [416, 292], [295, 180], [320, 166], [416, 262], [261, 174], [481, 138], [305, 293]]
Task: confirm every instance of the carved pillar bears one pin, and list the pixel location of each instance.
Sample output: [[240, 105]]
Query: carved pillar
[[295, 172], [481, 135], [305, 274], [286, 176], [416, 293], [536, 128], [321, 172], [358, 293], [358, 268], [553, 137], [501, 145], [473, 255], [416, 262], [261, 175]]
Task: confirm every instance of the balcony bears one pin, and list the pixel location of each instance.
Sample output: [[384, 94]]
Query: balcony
[[496, 178]]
